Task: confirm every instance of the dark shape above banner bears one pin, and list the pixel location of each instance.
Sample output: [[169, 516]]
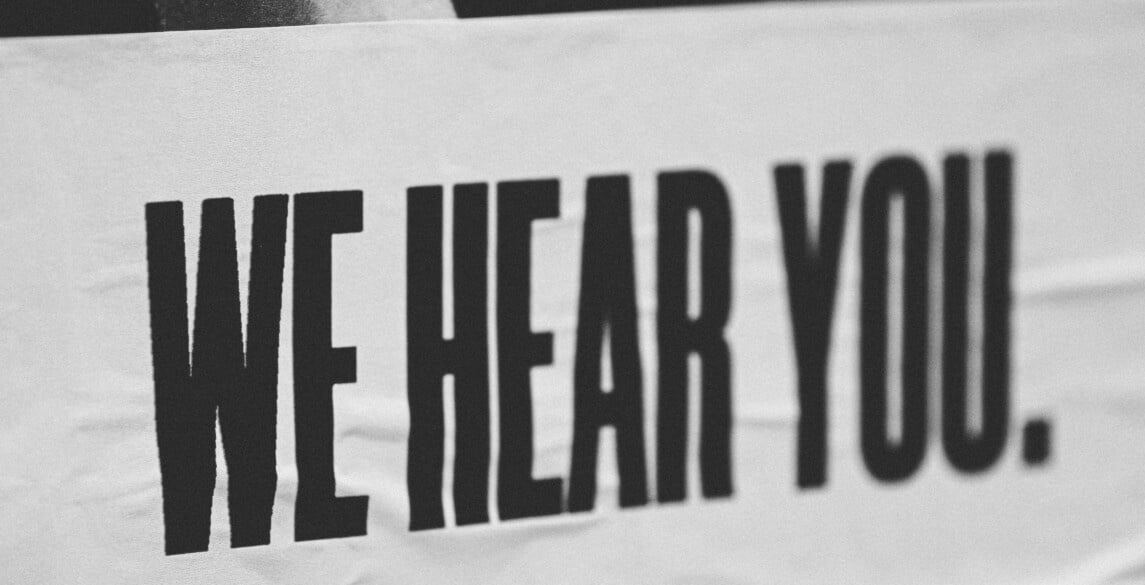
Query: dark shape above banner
[[21, 18], [71, 17]]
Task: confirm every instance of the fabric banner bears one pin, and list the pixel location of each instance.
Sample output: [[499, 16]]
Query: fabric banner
[[756, 294]]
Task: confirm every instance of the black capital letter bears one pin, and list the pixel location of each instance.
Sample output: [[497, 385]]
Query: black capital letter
[[678, 335], [430, 357], [519, 349], [812, 271], [318, 513], [242, 389], [967, 451], [608, 296], [893, 176]]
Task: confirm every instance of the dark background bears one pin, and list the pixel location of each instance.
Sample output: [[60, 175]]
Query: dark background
[[69, 17]]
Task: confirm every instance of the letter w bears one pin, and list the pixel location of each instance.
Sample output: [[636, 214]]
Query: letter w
[[219, 377]]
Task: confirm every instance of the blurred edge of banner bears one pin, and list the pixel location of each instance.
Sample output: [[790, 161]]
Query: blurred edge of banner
[[69, 17]]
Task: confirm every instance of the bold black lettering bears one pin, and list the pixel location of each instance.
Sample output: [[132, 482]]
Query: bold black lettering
[[608, 298], [318, 513], [812, 271], [241, 388], [430, 357], [679, 335], [895, 176], [967, 451], [520, 349]]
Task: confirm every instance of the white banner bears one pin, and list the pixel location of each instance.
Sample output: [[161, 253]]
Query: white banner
[[823, 294]]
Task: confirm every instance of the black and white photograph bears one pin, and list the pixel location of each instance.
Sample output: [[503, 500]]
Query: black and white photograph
[[584, 292]]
